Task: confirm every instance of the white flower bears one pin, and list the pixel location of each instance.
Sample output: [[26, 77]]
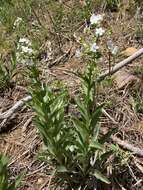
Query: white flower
[[113, 49], [29, 62], [78, 53], [99, 31], [110, 44], [96, 19], [18, 46], [18, 56], [86, 29], [71, 148], [25, 41], [94, 48], [26, 50], [17, 22]]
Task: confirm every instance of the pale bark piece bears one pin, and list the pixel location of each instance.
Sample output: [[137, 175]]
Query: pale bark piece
[[123, 78], [129, 51], [15, 107], [135, 150]]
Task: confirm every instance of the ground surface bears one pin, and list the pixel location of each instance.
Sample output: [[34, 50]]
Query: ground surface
[[20, 139]]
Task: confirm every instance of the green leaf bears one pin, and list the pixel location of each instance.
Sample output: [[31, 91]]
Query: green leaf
[[106, 137], [11, 187], [81, 128], [61, 169], [101, 177], [97, 129], [19, 178], [3, 160], [96, 116], [105, 156], [96, 145], [82, 109]]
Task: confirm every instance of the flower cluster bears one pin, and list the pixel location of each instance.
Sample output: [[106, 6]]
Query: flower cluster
[[17, 22], [96, 19], [25, 51], [90, 43], [95, 24], [112, 48], [94, 48], [99, 32]]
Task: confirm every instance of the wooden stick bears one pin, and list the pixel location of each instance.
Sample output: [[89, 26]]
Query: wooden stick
[[60, 58], [15, 107], [114, 69], [128, 146], [124, 144], [121, 64]]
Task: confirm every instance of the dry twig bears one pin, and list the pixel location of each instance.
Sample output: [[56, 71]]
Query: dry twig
[[59, 59], [14, 108], [130, 147], [121, 64]]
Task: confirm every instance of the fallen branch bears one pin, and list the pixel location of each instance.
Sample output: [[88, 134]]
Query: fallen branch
[[124, 144], [59, 59], [14, 108], [121, 64], [114, 69], [128, 146], [3, 124]]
